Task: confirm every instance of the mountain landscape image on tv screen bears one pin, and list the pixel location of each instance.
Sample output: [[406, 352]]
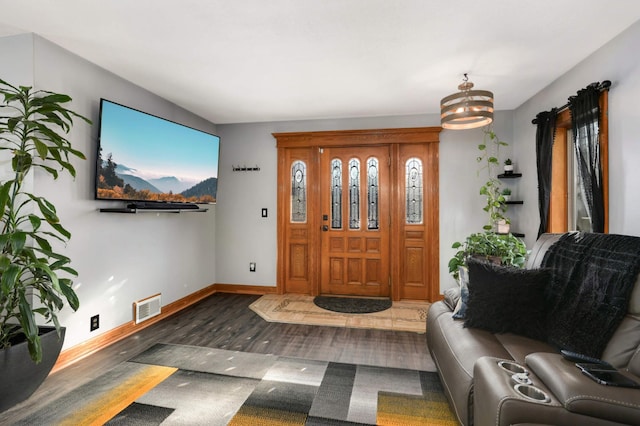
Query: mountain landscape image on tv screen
[[142, 157]]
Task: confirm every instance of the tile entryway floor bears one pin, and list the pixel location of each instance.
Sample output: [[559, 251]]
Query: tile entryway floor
[[300, 309]]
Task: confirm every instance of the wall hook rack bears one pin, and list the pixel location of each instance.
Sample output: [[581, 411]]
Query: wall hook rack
[[246, 169]]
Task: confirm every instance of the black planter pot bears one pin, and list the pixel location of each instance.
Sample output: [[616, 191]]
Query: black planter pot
[[20, 375]]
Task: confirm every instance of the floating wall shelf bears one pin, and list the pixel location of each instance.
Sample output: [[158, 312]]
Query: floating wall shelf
[[509, 175], [135, 211]]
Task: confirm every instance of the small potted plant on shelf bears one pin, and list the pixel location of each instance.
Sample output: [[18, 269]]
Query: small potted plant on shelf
[[508, 166], [506, 194]]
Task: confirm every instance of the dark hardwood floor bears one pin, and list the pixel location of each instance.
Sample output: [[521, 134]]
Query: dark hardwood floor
[[225, 321]]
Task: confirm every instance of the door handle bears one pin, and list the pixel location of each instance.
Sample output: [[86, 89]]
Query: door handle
[[325, 228]]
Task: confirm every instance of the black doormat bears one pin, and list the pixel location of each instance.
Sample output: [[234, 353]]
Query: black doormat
[[352, 305]]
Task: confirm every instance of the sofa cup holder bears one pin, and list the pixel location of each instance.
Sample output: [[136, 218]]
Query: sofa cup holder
[[512, 367], [532, 393]]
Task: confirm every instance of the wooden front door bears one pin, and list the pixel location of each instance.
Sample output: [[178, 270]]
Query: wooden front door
[[358, 213], [354, 187]]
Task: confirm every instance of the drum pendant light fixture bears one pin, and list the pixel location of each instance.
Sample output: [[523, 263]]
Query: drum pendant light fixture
[[466, 109]]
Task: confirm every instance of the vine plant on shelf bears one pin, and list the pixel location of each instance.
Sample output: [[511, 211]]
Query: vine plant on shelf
[[505, 249], [492, 188]]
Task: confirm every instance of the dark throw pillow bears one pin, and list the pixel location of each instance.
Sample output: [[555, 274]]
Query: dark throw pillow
[[507, 300]]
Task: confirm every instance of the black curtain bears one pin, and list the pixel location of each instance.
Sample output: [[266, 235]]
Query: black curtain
[[585, 119], [544, 146]]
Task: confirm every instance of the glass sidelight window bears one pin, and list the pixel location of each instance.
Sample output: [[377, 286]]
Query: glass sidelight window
[[414, 191], [373, 189], [299, 192]]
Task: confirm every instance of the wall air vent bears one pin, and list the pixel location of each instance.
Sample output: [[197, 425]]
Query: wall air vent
[[146, 308]]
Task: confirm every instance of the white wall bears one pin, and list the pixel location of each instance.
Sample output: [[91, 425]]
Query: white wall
[[619, 62], [243, 236], [17, 59], [18, 72], [120, 258]]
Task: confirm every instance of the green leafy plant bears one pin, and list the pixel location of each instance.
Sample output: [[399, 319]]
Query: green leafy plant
[[508, 162], [505, 249], [33, 277], [491, 189]]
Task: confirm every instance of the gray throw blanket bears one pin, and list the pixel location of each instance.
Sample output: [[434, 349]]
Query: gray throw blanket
[[594, 275]]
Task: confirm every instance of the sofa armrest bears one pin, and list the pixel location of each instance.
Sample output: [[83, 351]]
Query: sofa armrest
[[451, 297], [579, 394], [535, 256]]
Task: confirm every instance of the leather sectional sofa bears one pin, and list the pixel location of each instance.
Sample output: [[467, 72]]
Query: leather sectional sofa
[[505, 378]]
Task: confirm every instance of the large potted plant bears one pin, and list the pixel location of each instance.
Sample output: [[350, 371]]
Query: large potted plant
[[35, 281]]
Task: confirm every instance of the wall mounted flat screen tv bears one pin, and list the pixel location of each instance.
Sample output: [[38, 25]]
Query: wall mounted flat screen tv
[[144, 158]]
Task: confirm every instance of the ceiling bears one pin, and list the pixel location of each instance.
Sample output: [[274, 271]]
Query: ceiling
[[234, 61]]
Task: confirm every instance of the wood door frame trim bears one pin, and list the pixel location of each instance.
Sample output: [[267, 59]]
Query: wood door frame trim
[[395, 229], [335, 138], [320, 139]]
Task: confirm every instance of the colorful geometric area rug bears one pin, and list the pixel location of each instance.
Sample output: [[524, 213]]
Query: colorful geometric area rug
[[189, 385]]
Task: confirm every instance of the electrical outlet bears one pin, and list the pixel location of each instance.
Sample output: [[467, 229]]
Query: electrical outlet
[[252, 266], [95, 322]]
